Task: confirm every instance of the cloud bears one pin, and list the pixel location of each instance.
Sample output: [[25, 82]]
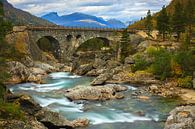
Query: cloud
[[121, 9]]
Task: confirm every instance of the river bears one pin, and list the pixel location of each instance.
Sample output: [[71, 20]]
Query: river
[[127, 113]]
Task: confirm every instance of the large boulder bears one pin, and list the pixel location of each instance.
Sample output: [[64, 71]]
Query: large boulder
[[106, 92], [181, 118], [106, 75], [54, 120]]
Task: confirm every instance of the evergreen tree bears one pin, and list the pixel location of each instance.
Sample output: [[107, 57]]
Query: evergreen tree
[[163, 24], [189, 12], [148, 23], [178, 22], [125, 46]]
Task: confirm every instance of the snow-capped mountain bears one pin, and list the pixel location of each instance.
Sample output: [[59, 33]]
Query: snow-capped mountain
[[82, 20]]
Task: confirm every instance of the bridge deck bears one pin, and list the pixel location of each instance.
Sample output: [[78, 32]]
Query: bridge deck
[[75, 28]]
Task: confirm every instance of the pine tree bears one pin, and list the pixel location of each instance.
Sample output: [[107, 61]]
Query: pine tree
[[148, 24], [189, 12], [163, 24], [125, 46], [178, 22]]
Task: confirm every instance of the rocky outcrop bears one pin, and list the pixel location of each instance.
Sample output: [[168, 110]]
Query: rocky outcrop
[[138, 78], [106, 75], [20, 73], [194, 79], [46, 67], [106, 92], [19, 124], [83, 69], [38, 117], [181, 118], [53, 119], [28, 105], [169, 89]]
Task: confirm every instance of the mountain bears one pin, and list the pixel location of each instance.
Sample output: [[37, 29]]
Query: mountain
[[170, 9], [19, 17], [82, 20], [116, 23]]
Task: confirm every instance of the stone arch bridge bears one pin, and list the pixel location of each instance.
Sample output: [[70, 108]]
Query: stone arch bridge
[[66, 39]]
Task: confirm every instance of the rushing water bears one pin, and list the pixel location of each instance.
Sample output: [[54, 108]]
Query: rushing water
[[127, 113]]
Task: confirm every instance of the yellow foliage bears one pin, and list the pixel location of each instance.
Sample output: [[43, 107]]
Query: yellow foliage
[[20, 43], [176, 68], [185, 82]]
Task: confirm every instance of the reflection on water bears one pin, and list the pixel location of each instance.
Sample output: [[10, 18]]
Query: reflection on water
[[114, 114]]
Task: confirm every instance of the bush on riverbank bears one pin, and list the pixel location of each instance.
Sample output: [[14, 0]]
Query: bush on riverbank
[[10, 111], [185, 82]]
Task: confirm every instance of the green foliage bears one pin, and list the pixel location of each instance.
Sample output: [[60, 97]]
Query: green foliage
[[184, 59], [162, 64], [125, 45], [140, 63], [189, 12], [148, 24], [178, 20], [10, 111], [94, 44], [185, 82], [163, 24]]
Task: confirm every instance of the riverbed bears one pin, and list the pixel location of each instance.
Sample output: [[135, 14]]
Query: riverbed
[[127, 113]]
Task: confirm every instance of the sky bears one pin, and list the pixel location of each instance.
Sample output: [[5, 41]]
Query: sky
[[124, 10]]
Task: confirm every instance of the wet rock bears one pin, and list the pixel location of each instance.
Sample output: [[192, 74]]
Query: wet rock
[[181, 118], [53, 119], [95, 93], [28, 105], [83, 69]]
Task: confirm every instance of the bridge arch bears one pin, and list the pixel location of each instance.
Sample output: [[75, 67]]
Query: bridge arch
[[51, 45], [94, 44]]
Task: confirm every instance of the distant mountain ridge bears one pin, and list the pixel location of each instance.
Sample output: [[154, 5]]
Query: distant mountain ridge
[[82, 20], [19, 17]]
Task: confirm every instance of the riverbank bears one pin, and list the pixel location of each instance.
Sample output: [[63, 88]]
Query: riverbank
[[105, 70]]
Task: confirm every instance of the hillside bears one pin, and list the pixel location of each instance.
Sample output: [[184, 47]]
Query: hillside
[[19, 17], [82, 20], [169, 8]]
